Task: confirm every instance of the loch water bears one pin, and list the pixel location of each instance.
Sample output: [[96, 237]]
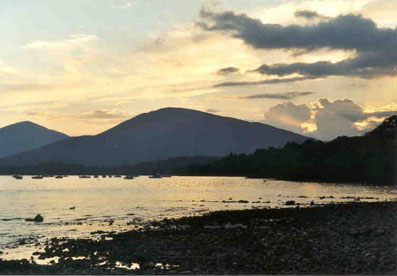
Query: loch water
[[79, 207]]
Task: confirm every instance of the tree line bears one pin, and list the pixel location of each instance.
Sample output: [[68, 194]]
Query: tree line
[[371, 159]]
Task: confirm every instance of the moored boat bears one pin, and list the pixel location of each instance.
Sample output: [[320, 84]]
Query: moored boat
[[37, 177]]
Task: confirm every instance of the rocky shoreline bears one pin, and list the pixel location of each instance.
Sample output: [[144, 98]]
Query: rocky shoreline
[[349, 238]]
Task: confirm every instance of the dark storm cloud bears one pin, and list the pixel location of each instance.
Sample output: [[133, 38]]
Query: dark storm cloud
[[366, 65], [281, 96], [376, 48], [307, 14], [350, 32], [270, 81], [228, 70]]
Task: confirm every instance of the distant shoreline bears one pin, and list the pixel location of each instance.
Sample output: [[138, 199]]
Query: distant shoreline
[[309, 180]]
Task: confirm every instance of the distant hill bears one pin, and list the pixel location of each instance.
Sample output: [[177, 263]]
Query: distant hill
[[24, 136], [371, 158], [161, 134]]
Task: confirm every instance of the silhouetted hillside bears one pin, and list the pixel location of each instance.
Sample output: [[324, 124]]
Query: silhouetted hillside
[[371, 158], [24, 136], [161, 134]]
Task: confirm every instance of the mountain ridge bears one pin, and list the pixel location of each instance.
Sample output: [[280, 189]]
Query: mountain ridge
[[24, 136], [164, 133]]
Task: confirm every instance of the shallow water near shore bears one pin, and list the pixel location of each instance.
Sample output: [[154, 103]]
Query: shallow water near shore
[[78, 207]]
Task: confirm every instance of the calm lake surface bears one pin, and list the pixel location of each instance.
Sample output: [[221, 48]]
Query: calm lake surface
[[76, 207]]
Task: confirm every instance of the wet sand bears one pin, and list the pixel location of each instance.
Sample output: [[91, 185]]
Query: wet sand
[[350, 238]]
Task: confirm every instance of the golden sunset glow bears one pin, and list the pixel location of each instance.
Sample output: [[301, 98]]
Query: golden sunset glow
[[85, 78]]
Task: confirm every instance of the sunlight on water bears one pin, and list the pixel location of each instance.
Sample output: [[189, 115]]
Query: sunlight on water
[[75, 207]]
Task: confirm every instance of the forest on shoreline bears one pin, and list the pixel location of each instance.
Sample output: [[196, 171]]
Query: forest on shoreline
[[370, 159]]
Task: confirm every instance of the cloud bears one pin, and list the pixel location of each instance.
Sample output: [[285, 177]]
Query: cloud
[[269, 81], [211, 110], [6, 70], [16, 87], [349, 32], [73, 42], [288, 116], [308, 14], [228, 70], [103, 114], [325, 119], [375, 47], [282, 96], [337, 118], [126, 4], [364, 66]]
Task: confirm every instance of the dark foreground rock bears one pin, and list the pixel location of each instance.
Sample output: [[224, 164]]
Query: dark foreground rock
[[353, 238]]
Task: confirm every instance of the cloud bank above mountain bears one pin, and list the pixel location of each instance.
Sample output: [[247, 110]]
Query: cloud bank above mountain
[[325, 119]]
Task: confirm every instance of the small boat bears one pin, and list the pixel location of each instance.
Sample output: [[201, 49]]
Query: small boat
[[129, 177], [117, 175], [165, 175], [155, 176], [96, 176], [84, 176], [59, 176], [37, 177], [104, 176], [18, 177]]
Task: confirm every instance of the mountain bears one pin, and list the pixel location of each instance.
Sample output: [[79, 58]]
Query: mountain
[[371, 158], [24, 136], [161, 134]]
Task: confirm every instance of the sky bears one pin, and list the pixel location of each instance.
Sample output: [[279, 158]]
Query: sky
[[315, 67]]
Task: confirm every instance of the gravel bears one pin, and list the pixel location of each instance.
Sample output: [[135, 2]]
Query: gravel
[[350, 238]]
